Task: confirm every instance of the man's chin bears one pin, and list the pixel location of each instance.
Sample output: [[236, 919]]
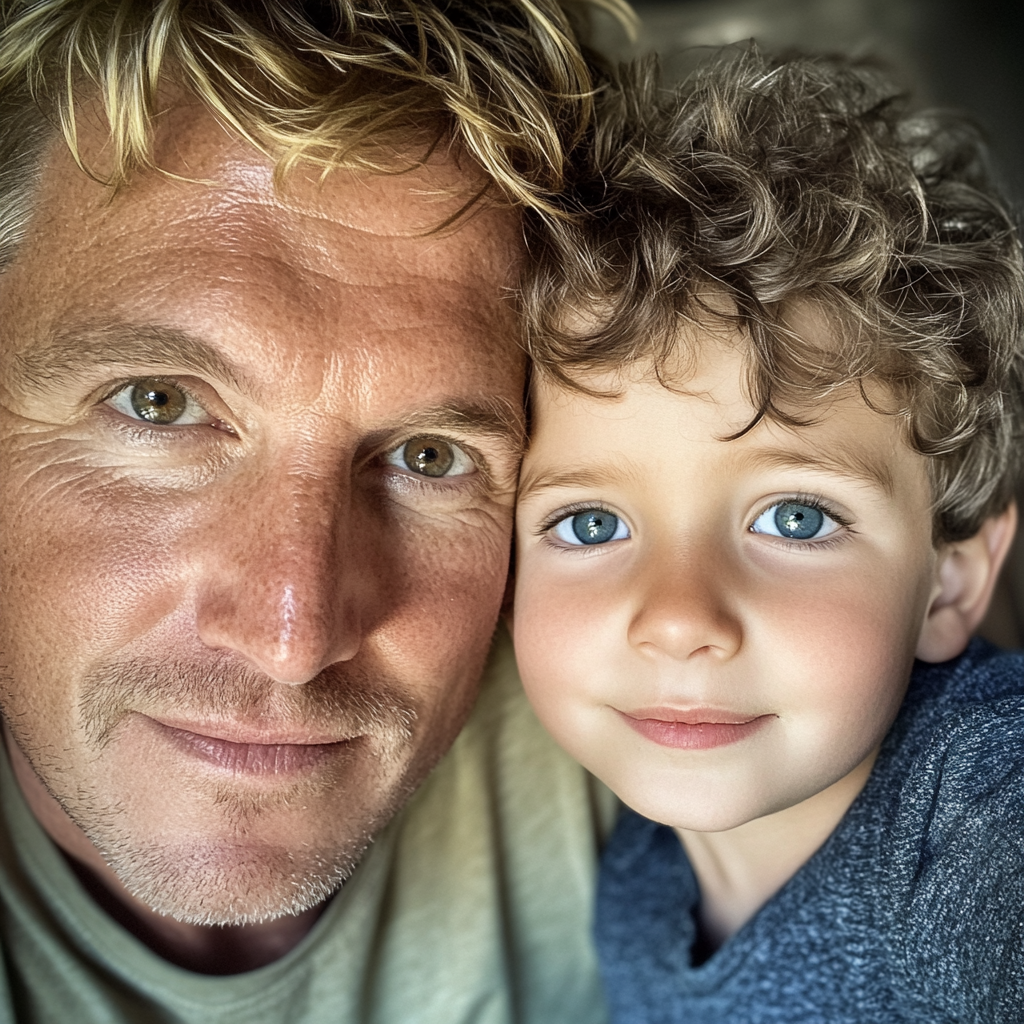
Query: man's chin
[[227, 853], [213, 843], [231, 884]]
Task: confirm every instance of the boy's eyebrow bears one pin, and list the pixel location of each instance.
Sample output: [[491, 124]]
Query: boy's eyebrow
[[846, 463], [580, 477]]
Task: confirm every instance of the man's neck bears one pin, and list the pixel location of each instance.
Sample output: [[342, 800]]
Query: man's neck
[[206, 949], [740, 869]]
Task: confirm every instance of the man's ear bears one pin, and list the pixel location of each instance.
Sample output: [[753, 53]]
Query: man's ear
[[966, 576]]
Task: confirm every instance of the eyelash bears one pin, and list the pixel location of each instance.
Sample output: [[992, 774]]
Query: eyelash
[[481, 476], [212, 431], [572, 509], [815, 501], [802, 498], [112, 389]]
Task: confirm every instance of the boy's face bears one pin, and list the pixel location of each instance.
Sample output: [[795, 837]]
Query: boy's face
[[718, 629]]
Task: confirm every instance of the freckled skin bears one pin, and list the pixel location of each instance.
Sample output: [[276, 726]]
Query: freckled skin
[[273, 541]]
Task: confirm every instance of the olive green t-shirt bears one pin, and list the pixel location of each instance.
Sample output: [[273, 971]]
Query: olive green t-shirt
[[473, 907]]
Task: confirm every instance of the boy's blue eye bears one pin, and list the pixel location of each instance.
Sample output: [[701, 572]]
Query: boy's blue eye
[[795, 521], [593, 526]]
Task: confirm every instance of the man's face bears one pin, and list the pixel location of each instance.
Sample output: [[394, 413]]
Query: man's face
[[719, 629], [258, 454]]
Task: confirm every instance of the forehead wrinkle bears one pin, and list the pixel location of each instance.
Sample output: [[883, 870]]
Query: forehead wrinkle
[[74, 348]]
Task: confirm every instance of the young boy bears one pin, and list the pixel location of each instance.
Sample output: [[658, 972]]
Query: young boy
[[777, 419]]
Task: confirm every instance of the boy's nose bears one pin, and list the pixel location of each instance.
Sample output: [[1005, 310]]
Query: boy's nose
[[683, 610]]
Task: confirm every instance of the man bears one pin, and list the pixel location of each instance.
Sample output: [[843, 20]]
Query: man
[[260, 417]]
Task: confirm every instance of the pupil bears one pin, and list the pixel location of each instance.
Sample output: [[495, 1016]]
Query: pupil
[[800, 522], [594, 527], [157, 402], [431, 458]]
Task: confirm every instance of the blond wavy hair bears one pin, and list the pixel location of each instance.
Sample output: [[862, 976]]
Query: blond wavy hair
[[800, 181], [327, 82]]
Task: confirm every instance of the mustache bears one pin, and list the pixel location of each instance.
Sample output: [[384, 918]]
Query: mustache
[[341, 700]]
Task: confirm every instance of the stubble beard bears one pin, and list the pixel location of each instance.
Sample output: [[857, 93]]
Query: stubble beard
[[234, 878]]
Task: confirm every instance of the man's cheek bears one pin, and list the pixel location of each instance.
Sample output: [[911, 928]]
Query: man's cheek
[[445, 594], [86, 566]]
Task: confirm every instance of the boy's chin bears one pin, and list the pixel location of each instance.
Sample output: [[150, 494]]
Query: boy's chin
[[718, 805], [701, 819], [708, 811]]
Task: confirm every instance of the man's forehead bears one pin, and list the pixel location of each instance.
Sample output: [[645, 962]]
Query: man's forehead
[[216, 195], [204, 172], [303, 280]]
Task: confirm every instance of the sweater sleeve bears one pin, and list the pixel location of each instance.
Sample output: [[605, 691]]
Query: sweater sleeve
[[956, 902]]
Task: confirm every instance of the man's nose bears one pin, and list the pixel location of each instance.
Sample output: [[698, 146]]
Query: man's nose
[[684, 606], [281, 585]]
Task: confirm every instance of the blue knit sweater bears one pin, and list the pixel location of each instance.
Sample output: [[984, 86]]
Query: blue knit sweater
[[912, 910]]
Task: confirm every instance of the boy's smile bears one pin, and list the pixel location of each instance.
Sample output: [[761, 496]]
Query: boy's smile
[[719, 629]]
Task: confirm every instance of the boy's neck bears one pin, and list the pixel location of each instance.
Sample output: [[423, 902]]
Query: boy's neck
[[740, 869]]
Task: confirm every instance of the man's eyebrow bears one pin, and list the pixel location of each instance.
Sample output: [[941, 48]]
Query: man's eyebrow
[[493, 417], [844, 463], [69, 352]]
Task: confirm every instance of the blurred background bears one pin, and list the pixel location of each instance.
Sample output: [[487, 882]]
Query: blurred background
[[966, 55]]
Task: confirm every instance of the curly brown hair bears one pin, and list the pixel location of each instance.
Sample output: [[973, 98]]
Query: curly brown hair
[[797, 181]]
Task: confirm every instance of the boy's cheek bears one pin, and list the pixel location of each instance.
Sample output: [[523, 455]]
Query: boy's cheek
[[559, 634], [829, 654]]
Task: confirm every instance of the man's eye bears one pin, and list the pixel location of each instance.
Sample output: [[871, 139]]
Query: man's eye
[[795, 521], [160, 402], [592, 526], [431, 456]]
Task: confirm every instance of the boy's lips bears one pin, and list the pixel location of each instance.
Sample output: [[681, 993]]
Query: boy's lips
[[693, 728]]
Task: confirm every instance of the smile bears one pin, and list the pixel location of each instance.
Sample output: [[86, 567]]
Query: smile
[[694, 729]]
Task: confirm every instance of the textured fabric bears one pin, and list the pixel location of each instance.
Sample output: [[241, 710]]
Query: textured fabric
[[474, 907], [911, 911]]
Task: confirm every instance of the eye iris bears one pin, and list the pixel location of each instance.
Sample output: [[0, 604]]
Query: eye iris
[[594, 527], [801, 522], [158, 401], [429, 456]]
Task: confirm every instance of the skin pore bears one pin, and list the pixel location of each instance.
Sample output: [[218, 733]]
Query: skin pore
[[259, 450], [723, 630]]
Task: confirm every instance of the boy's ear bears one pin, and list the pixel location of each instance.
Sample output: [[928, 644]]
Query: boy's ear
[[965, 578]]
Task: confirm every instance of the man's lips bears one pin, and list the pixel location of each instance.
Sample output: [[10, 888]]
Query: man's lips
[[246, 750], [693, 728]]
